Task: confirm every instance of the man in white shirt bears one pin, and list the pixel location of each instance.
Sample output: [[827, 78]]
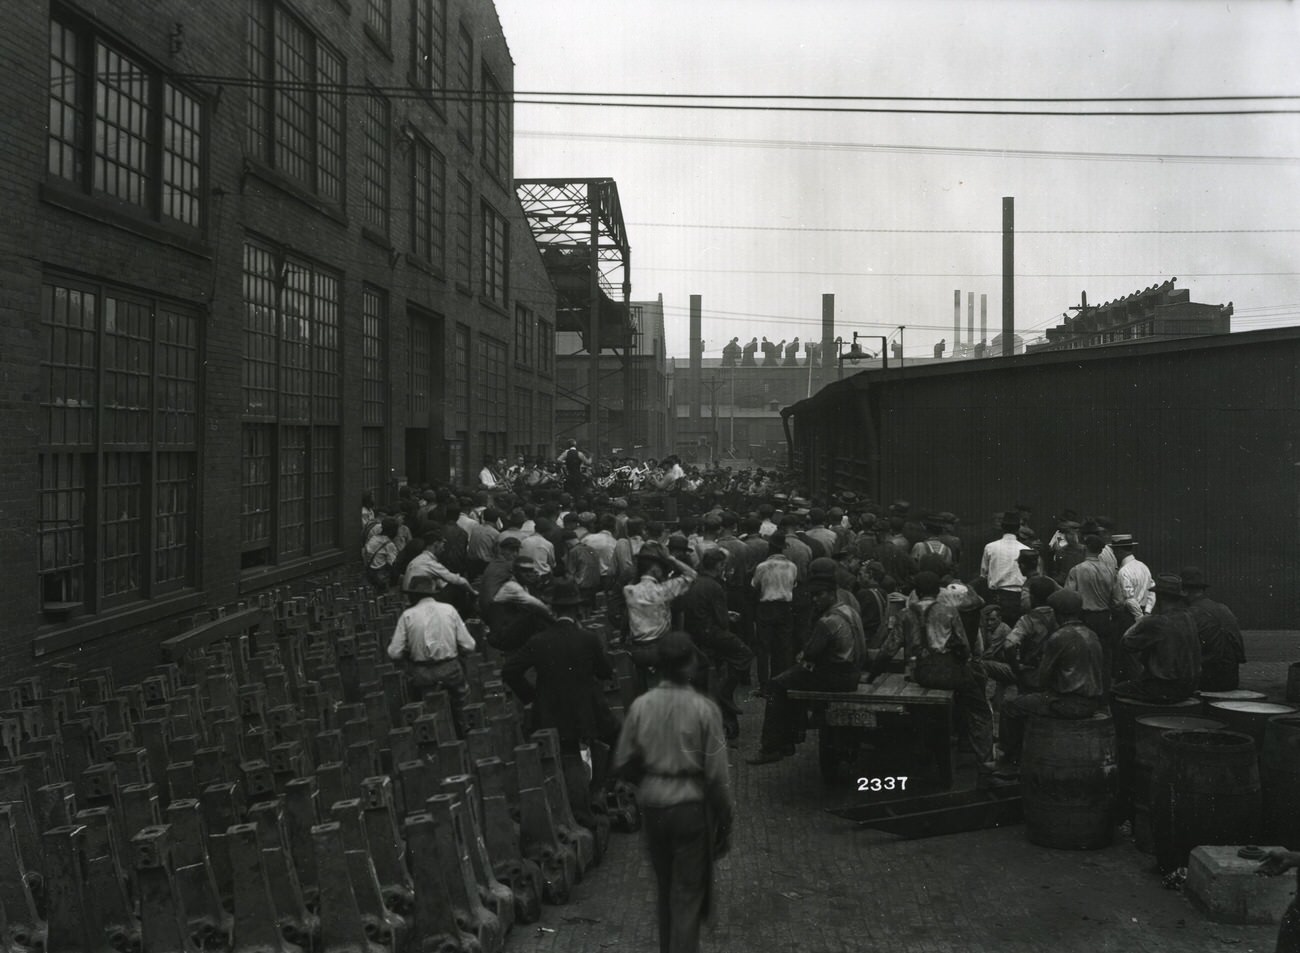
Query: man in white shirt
[[487, 477], [1000, 566], [1134, 587], [427, 564], [650, 603], [429, 638], [775, 579]]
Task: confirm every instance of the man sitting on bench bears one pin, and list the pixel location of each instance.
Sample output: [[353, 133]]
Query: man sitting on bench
[[830, 662]]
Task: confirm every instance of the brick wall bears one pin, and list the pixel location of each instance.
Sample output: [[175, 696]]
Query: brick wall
[[44, 234]]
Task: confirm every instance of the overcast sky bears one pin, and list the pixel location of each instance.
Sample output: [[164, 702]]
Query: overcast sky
[[761, 212]]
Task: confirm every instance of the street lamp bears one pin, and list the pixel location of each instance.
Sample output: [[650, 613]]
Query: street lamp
[[856, 353]]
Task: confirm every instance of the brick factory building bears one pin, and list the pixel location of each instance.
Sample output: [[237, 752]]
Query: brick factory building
[[259, 258]]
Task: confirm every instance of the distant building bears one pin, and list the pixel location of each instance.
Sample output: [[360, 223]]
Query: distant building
[[1161, 312], [633, 405]]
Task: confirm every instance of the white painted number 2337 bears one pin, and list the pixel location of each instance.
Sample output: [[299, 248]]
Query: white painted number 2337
[[882, 784]]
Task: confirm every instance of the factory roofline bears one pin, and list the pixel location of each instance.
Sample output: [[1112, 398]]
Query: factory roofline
[[1113, 352]]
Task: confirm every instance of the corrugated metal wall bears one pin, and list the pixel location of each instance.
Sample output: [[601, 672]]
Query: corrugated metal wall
[[1191, 448]]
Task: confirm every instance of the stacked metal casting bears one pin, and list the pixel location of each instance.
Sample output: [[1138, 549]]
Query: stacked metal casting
[[276, 791]]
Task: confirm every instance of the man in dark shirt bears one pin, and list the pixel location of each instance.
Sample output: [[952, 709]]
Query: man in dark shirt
[[1166, 646], [569, 696], [831, 661], [1069, 678], [705, 618], [1222, 648]]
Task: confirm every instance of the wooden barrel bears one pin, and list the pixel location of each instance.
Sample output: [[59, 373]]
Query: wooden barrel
[[1127, 711], [1067, 781], [1205, 790], [1249, 718], [1293, 683], [1146, 738], [1279, 774]]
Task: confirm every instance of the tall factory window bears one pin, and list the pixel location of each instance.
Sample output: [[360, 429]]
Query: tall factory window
[[419, 381], [493, 398], [545, 347], [525, 341], [295, 100], [374, 386], [379, 20], [464, 233], [465, 86], [460, 403], [496, 128], [429, 45], [292, 407], [496, 255], [428, 204], [375, 174], [117, 447], [118, 129]]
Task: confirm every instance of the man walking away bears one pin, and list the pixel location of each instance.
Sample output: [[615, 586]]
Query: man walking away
[[430, 638], [1000, 566], [672, 742], [1094, 581]]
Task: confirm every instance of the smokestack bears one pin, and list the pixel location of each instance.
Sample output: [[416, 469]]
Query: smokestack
[[984, 317], [970, 316], [828, 328], [1008, 272], [697, 359], [956, 319]]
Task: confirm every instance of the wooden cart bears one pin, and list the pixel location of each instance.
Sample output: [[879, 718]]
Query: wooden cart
[[894, 715]]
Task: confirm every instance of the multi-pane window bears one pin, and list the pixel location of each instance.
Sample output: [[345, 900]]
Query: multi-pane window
[[429, 45], [292, 404], [524, 336], [117, 447], [496, 128], [465, 87], [460, 343], [491, 375], [372, 459], [419, 375], [374, 367], [545, 346], [464, 233], [495, 254], [118, 129], [428, 203], [295, 100], [379, 19], [375, 163]]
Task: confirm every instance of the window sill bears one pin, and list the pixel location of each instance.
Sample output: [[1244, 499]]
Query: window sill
[[115, 215], [493, 306], [56, 637], [380, 43], [377, 238], [428, 97], [282, 183], [424, 266], [464, 289], [255, 580]]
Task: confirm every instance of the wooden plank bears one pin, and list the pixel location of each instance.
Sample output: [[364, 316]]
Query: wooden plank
[[938, 814], [236, 623]]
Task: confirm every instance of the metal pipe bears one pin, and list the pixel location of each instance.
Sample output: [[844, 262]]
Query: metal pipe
[[1008, 275]]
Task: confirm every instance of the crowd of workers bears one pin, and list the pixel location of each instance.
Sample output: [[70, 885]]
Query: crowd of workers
[[752, 584]]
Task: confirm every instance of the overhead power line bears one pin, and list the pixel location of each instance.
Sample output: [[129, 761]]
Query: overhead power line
[[615, 100], [970, 231], [901, 149]]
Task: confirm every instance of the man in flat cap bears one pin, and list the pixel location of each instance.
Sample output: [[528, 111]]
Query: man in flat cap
[[1069, 679], [429, 639], [672, 743], [1166, 647]]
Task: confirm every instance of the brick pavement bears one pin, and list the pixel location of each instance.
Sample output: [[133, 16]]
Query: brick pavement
[[799, 879]]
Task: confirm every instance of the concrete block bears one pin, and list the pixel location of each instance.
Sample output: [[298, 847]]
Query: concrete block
[[1227, 888]]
